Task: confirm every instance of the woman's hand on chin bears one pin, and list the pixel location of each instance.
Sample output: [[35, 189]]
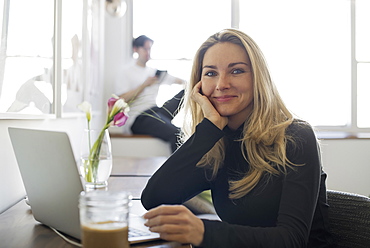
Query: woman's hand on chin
[[208, 109]]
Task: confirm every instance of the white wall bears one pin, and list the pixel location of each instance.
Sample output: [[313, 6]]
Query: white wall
[[347, 163]]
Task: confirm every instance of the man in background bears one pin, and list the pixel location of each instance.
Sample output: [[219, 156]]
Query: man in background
[[138, 85]]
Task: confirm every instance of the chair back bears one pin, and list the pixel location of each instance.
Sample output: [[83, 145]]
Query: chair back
[[349, 218]]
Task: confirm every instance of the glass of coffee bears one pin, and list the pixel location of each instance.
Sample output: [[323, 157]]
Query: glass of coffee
[[104, 218]]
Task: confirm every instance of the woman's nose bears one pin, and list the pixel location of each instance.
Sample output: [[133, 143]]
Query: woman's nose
[[223, 83]]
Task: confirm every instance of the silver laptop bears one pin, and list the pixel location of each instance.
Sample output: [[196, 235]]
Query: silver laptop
[[53, 184]]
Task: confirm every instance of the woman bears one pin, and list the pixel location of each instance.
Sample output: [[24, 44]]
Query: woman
[[262, 165]]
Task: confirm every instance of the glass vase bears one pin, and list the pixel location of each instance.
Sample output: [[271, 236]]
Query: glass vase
[[96, 158]]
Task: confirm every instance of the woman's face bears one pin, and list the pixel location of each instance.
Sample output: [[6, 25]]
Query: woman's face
[[227, 81]]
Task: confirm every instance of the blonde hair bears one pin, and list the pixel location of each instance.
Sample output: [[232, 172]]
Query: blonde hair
[[264, 139]]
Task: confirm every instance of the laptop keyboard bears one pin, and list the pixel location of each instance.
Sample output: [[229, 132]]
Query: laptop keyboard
[[133, 232]]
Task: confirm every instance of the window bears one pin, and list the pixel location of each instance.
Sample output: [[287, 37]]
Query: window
[[49, 50], [363, 62], [321, 73], [26, 57], [71, 52], [307, 46]]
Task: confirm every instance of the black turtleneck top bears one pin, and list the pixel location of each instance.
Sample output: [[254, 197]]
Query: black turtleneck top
[[289, 210]]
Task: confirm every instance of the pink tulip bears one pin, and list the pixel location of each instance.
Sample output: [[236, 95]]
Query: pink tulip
[[111, 103], [120, 119]]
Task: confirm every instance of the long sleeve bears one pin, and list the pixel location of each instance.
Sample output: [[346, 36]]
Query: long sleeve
[[278, 212], [179, 179], [299, 191]]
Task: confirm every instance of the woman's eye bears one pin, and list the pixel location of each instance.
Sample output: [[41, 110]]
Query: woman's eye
[[210, 74], [237, 71]]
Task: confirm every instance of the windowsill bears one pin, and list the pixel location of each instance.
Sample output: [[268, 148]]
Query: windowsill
[[65, 115], [341, 135], [18, 116], [322, 135]]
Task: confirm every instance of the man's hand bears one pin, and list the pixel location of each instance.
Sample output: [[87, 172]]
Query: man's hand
[[150, 81]]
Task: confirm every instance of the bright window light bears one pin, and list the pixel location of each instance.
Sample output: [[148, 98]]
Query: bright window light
[[307, 46]]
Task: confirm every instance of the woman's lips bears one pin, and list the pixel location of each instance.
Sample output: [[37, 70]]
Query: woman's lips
[[224, 98]]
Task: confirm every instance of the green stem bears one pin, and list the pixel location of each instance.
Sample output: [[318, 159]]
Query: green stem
[[89, 134], [93, 160], [88, 175]]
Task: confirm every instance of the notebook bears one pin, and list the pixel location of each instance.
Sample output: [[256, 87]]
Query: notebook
[[53, 184]]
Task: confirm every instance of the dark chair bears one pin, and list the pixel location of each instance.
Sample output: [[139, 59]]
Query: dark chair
[[349, 217]]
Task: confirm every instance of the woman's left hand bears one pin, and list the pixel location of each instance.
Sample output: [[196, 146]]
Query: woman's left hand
[[175, 223], [209, 111]]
